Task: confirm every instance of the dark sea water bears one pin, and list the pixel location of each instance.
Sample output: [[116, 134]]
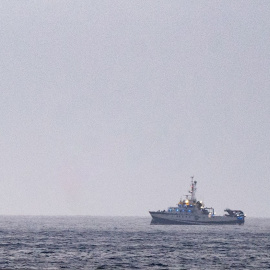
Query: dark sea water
[[130, 243]]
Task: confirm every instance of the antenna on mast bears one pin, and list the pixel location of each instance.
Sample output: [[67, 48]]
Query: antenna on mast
[[193, 189]]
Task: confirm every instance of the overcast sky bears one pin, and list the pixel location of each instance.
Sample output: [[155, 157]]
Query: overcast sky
[[108, 107]]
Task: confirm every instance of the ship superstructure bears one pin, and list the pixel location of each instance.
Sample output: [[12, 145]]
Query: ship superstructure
[[189, 211]]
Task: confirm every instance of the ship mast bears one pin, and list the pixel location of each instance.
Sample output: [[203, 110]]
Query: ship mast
[[193, 189]]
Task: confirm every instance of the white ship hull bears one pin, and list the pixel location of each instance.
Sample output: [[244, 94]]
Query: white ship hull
[[178, 219]]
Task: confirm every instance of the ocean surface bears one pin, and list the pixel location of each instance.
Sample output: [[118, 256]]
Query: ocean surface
[[32, 242]]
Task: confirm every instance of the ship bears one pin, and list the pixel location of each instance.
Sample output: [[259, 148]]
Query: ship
[[190, 211]]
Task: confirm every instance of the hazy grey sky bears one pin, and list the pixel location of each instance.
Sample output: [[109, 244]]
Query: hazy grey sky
[[108, 107]]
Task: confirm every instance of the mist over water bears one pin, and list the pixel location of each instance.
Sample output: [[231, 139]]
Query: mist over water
[[32, 242], [114, 102]]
